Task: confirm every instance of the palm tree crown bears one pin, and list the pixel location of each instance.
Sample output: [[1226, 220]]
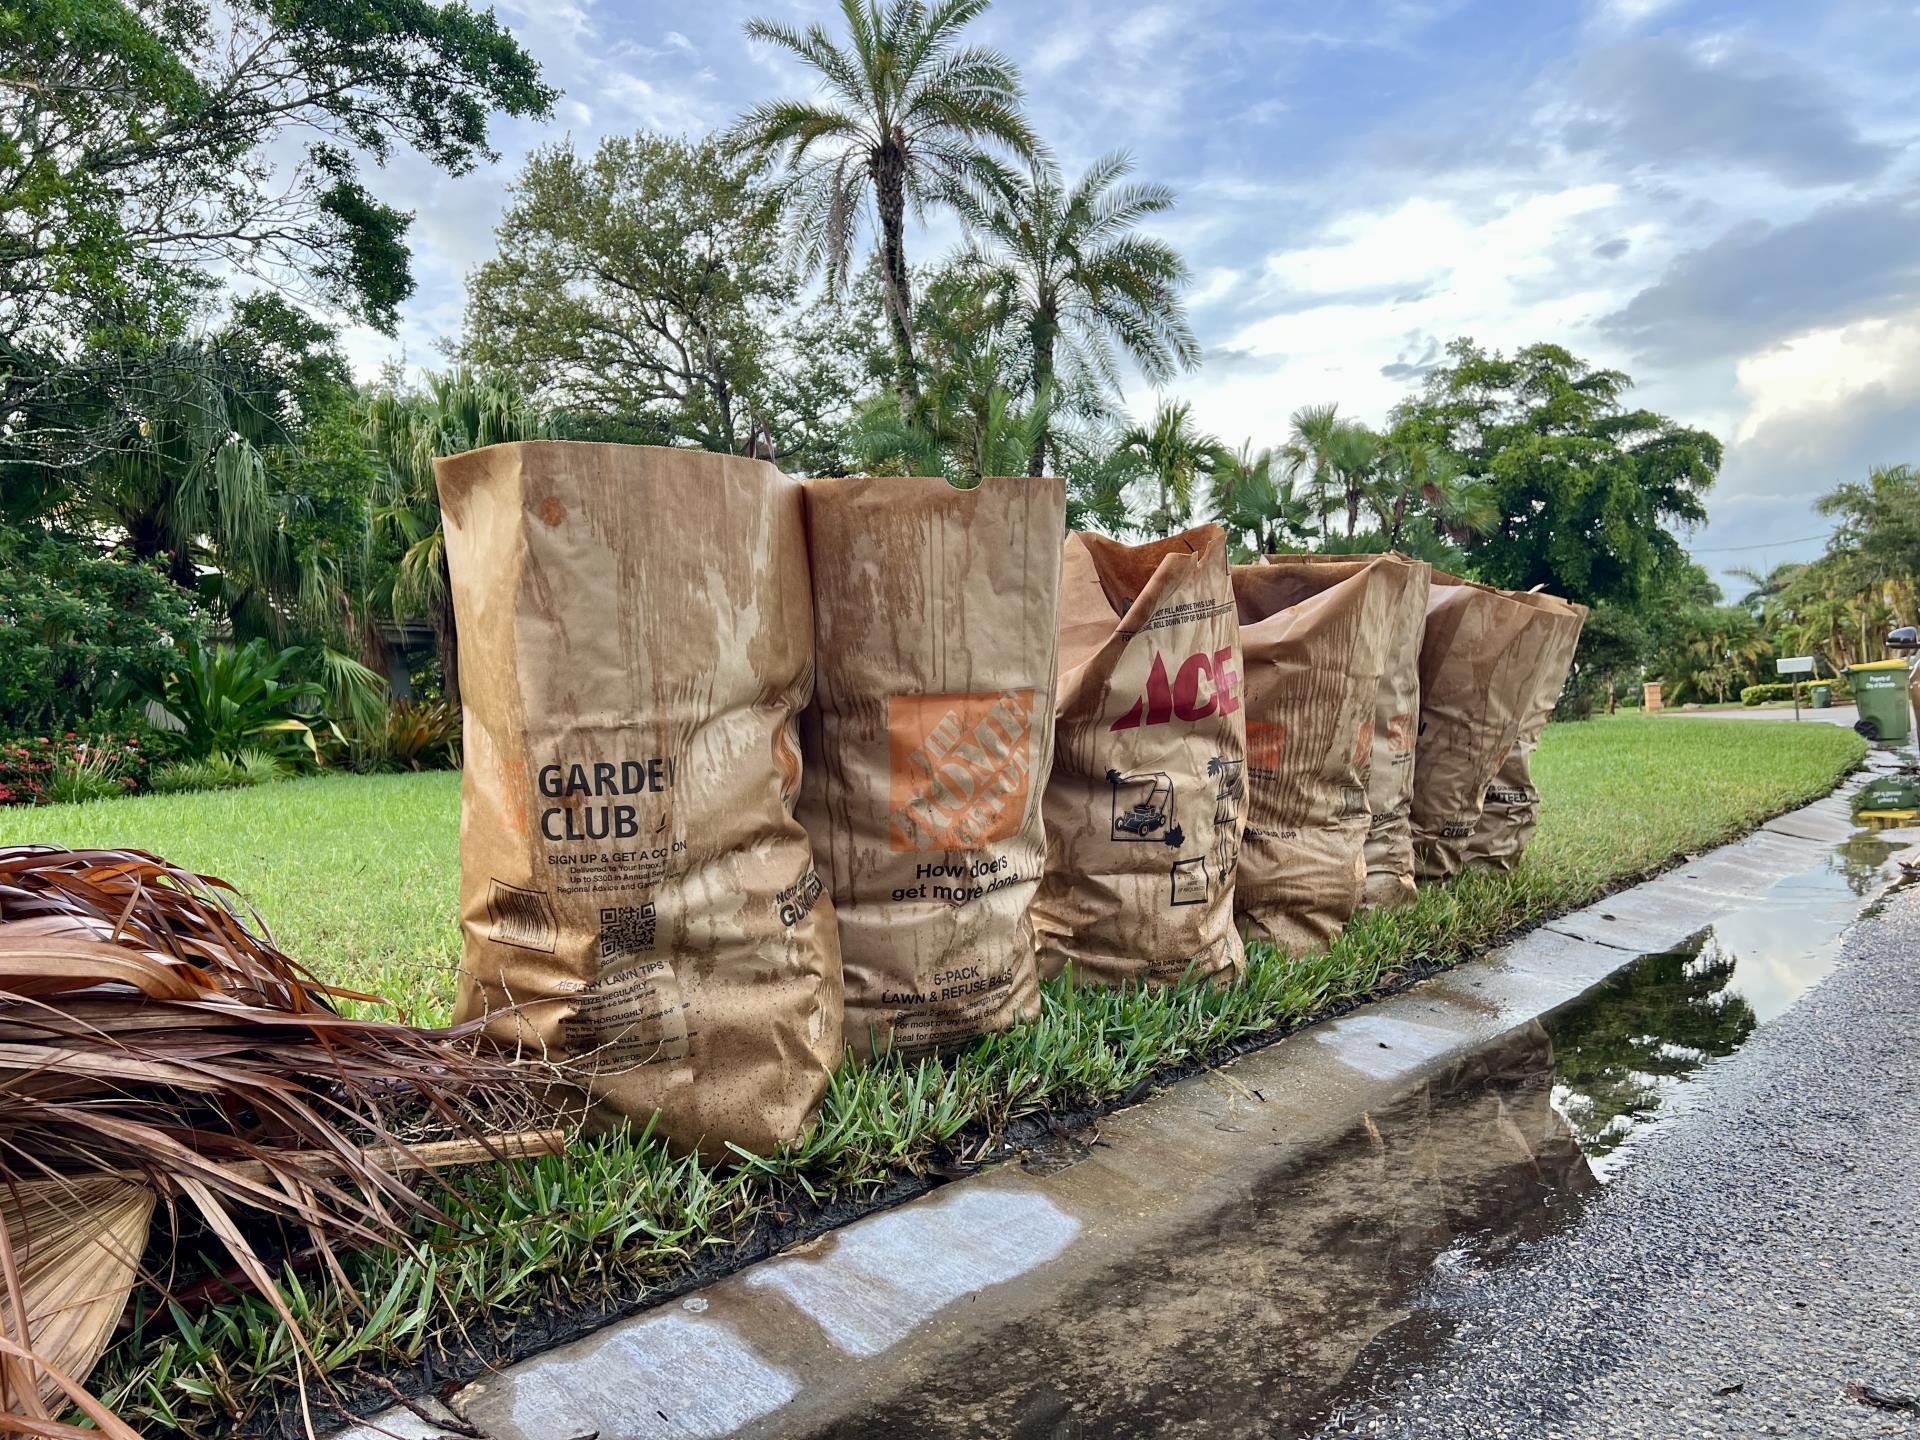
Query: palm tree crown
[[906, 115], [1082, 279], [1177, 455]]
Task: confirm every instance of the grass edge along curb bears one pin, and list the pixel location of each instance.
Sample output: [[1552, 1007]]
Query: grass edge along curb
[[559, 1246]]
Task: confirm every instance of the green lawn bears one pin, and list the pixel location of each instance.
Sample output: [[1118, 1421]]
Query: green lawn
[[358, 877]]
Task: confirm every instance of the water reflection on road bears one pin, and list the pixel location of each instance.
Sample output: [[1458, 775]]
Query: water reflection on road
[[1626, 1050]]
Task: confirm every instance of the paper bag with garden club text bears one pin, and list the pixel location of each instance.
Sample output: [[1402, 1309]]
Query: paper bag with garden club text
[[1396, 716], [1511, 808], [936, 621], [1313, 638], [1479, 661], [1148, 791], [636, 642]]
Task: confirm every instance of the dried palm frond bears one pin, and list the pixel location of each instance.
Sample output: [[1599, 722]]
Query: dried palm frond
[[151, 1029], [75, 1246]]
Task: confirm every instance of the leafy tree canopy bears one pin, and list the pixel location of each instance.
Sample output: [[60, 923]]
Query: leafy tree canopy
[[1584, 487], [646, 285]]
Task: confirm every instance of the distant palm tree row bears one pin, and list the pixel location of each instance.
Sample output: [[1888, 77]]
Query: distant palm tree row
[[1008, 361]]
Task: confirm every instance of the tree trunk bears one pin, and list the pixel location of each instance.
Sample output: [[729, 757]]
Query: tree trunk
[[1044, 329], [446, 641], [1353, 511], [890, 186]]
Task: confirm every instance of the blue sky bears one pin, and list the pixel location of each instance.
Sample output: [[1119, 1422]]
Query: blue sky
[[1721, 199]]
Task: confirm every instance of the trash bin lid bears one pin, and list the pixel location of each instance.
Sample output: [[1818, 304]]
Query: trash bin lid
[[1878, 665]]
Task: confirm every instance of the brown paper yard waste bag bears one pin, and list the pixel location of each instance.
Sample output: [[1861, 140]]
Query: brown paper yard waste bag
[[636, 640], [1511, 808], [1147, 796], [1478, 662], [1395, 718], [1313, 638], [936, 621]]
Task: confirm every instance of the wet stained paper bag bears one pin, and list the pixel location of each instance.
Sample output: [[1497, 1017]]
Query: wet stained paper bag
[[1313, 638], [1148, 791], [927, 747], [1396, 717], [636, 894], [1479, 659], [1510, 810]]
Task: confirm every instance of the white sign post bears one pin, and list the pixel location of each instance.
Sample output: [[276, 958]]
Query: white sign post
[[1795, 665]]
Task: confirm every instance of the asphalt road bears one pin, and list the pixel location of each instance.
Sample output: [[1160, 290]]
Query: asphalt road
[[1753, 1268]]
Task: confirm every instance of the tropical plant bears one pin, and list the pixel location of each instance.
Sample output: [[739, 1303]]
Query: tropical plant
[[189, 469], [1176, 455], [1099, 473], [220, 699], [1310, 450], [87, 774], [215, 772], [458, 411], [1256, 505], [421, 736], [1082, 278], [1415, 476], [907, 117]]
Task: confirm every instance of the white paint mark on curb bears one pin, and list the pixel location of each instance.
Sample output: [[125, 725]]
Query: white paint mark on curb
[[885, 1275], [1381, 1047], [698, 1374]]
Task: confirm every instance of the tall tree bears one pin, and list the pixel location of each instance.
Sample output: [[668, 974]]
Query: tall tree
[[1415, 476], [907, 116], [1177, 455], [1585, 488], [145, 143], [1083, 279], [456, 412], [1310, 450], [645, 286]]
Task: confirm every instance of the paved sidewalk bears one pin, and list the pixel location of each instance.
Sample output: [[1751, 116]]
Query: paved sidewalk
[[1832, 715]]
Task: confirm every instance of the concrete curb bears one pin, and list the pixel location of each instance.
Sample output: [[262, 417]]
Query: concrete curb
[[834, 1327]]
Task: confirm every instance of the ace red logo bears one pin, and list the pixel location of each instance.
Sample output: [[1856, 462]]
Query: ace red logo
[[1205, 683]]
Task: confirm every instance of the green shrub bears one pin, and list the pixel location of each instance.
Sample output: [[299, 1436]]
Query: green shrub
[[75, 625], [261, 767], [215, 772], [1783, 690]]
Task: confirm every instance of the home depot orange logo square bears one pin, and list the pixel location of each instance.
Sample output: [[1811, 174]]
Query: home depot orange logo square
[[961, 767], [1266, 741]]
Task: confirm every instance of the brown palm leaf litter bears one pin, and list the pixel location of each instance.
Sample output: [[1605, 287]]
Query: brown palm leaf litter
[[156, 1046]]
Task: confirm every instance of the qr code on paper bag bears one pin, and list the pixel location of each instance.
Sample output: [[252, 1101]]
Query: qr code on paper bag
[[625, 930]]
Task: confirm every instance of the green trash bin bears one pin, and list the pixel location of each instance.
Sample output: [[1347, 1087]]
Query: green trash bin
[[1880, 690], [1822, 697]]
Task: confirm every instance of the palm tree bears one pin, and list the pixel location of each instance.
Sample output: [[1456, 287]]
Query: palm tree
[[1177, 455], [906, 115], [1252, 500], [1082, 280], [1316, 429], [189, 477], [1353, 452], [458, 411]]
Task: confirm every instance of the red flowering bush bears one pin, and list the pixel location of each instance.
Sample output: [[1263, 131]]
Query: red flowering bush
[[30, 765]]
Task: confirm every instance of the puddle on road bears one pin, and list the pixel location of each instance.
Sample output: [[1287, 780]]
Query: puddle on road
[[1276, 1313], [1626, 1052]]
